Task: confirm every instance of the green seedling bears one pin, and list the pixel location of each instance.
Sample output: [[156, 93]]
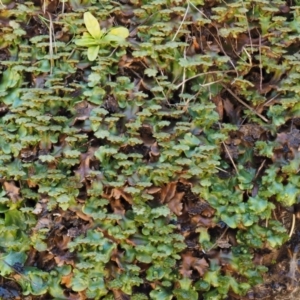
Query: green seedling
[[96, 38]]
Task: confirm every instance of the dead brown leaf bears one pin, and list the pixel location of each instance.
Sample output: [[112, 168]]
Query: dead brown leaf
[[117, 206], [154, 151], [83, 110], [42, 223], [12, 191], [84, 167], [206, 222], [117, 193], [153, 190], [66, 280], [190, 263], [77, 296], [168, 192], [116, 257], [223, 243], [175, 204], [119, 295], [218, 101], [172, 198]]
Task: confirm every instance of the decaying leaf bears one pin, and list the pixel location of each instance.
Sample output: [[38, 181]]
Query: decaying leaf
[[190, 263], [12, 191], [154, 150], [175, 204], [38, 209], [117, 193], [42, 223], [117, 206], [168, 192], [119, 295], [172, 198]]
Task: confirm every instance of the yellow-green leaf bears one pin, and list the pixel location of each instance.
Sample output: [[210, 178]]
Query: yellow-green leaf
[[93, 52], [122, 32], [92, 25], [86, 42]]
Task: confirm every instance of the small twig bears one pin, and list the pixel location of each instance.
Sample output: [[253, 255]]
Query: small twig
[[293, 226], [270, 100], [184, 72], [259, 169], [216, 243], [181, 23], [248, 28], [63, 7], [220, 169], [245, 104], [202, 74], [51, 43], [260, 65], [229, 155]]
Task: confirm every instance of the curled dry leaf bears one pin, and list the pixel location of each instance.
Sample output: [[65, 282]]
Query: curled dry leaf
[[168, 192], [205, 222], [119, 295], [175, 204], [218, 101], [117, 257], [154, 150], [77, 296], [117, 206], [153, 190], [42, 223], [117, 194], [84, 167], [38, 209], [190, 263], [223, 243], [67, 279], [83, 110], [172, 198], [12, 191], [292, 138]]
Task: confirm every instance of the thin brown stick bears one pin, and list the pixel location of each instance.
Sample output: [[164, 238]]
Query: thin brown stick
[[259, 169], [260, 65], [216, 243], [245, 104], [202, 74], [229, 155]]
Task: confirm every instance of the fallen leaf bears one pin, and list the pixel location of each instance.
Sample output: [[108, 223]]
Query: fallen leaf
[[84, 167], [117, 207], [66, 280], [175, 204], [12, 191], [153, 190], [172, 198], [118, 193], [190, 263], [168, 192], [119, 295], [218, 101], [42, 223], [206, 222], [38, 209]]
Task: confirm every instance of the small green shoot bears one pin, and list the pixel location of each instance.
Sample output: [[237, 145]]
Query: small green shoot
[[96, 38]]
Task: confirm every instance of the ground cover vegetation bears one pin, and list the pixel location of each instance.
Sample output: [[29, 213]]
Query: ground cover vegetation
[[149, 149]]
